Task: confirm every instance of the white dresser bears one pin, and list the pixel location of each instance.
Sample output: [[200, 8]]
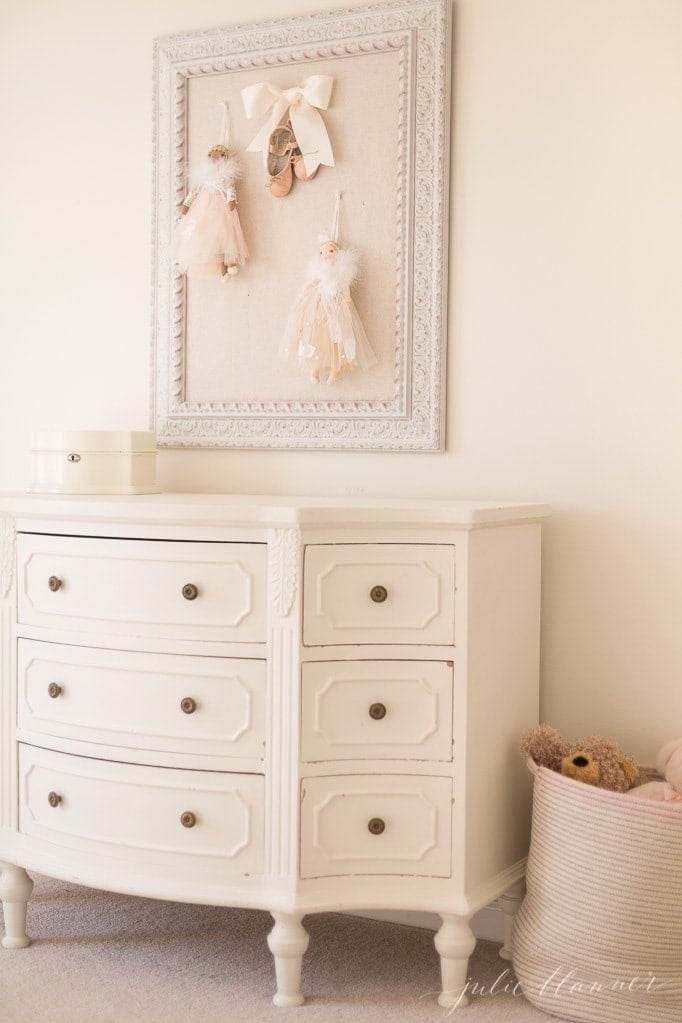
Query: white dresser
[[296, 705]]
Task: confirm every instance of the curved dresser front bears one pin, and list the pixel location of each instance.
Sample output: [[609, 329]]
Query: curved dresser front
[[296, 705]]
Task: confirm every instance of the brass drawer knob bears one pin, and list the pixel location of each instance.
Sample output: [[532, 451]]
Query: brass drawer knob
[[188, 705], [54, 583], [54, 799], [377, 711], [54, 690], [376, 826], [190, 591], [188, 819], [378, 594]]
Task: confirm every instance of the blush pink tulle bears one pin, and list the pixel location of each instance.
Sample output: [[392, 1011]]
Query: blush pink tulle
[[324, 330], [209, 235]]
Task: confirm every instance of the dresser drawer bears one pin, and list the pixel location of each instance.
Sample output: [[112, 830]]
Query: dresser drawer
[[381, 824], [197, 591], [198, 705], [127, 811], [375, 710], [379, 593]]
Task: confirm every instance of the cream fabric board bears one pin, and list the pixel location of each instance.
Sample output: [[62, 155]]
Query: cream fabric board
[[598, 938], [234, 327]]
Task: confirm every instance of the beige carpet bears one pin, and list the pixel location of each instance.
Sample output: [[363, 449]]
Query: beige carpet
[[102, 958]]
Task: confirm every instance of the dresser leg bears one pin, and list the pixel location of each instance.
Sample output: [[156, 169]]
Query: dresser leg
[[288, 941], [15, 890], [454, 943], [510, 903]]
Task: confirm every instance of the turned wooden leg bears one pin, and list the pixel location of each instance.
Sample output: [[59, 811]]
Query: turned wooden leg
[[288, 941], [510, 903], [15, 890], [454, 942]]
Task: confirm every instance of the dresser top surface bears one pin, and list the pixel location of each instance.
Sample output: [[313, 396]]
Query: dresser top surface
[[224, 509]]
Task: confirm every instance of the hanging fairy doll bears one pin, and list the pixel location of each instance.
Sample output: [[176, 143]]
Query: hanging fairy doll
[[324, 333], [209, 240]]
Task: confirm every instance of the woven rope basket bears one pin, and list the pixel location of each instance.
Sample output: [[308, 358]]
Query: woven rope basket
[[598, 938]]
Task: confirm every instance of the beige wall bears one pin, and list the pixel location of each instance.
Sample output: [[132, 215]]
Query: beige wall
[[564, 371]]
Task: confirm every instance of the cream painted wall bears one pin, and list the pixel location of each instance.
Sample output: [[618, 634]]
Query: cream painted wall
[[565, 370]]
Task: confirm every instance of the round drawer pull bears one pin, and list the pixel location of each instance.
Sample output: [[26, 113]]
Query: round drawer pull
[[188, 705], [378, 594], [377, 711], [190, 591], [54, 583], [54, 799], [376, 826], [188, 819], [54, 690]]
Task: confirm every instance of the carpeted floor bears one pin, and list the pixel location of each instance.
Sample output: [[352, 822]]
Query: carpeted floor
[[103, 958]]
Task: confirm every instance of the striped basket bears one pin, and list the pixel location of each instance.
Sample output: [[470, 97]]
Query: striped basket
[[598, 938]]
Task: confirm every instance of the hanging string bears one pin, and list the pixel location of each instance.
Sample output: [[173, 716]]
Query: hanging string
[[335, 222], [225, 125]]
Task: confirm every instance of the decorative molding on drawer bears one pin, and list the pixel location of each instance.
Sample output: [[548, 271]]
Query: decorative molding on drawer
[[333, 807], [284, 549], [7, 553], [354, 616], [379, 593], [413, 815], [326, 725], [136, 811], [137, 587], [134, 699], [247, 607], [377, 709]]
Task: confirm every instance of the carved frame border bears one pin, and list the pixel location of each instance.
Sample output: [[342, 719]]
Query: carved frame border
[[414, 419]]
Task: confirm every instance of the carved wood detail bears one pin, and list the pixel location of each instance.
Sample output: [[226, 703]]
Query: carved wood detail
[[7, 554], [283, 570]]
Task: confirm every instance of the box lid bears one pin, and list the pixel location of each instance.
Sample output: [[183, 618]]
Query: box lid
[[93, 440]]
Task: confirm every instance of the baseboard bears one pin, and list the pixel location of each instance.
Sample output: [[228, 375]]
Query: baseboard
[[488, 923]]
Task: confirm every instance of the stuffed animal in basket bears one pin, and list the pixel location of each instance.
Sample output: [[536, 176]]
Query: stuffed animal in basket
[[594, 760], [669, 765]]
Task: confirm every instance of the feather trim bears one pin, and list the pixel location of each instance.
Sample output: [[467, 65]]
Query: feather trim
[[222, 171], [335, 275]]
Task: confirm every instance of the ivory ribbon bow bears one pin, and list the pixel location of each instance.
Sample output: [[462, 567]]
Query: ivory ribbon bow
[[303, 104]]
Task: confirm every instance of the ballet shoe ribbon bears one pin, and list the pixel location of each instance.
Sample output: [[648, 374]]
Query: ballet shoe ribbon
[[302, 104]]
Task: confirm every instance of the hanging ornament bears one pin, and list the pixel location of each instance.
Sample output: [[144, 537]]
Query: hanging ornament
[[208, 239], [324, 333]]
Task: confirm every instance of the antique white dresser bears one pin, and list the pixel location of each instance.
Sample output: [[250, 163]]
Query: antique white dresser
[[296, 705]]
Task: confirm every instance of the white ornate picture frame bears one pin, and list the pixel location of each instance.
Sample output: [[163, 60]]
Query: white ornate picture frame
[[216, 378]]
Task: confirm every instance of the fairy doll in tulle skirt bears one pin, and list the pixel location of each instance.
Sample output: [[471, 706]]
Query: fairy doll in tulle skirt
[[209, 240], [324, 333]]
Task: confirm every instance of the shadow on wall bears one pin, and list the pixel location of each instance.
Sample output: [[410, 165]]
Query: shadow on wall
[[611, 639]]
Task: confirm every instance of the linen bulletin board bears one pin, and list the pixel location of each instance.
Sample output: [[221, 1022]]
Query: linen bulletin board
[[217, 377]]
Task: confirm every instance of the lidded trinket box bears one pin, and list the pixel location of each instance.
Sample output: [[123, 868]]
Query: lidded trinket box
[[94, 462]]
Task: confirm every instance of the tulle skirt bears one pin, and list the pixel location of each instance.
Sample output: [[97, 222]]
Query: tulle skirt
[[208, 235], [326, 333]]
